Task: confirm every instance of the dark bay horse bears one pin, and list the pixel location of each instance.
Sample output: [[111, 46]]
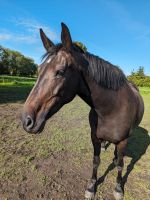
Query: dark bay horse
[[116, 105]]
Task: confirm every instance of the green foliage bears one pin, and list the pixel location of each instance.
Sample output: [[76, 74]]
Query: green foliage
[[4, 60], [139, 81], [140, 72], [81, 45], [139, 78], [14, 63], [26, 66]]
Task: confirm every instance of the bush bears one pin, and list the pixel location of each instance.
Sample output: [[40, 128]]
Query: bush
[[143, 81]]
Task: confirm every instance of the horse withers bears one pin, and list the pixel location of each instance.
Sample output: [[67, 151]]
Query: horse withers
[[116, 105]]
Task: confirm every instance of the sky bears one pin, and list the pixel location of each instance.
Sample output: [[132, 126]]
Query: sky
[[115, 30]]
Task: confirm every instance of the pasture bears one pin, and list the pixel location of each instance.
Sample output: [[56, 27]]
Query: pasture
[[16, 81], [57, 164]]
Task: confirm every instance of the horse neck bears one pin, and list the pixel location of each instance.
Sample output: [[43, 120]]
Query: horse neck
[[96, 96], [84, 91]]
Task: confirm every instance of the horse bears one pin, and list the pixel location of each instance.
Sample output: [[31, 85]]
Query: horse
[[116, 105]]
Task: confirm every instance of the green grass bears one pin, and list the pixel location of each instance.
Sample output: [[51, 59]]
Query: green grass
[[13, 94], [15, 89], [12, 78], [16, 81], [144, 90], [146, 120]]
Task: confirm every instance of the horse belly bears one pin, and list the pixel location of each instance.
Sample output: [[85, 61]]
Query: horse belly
[[115, 127], [112, 133]]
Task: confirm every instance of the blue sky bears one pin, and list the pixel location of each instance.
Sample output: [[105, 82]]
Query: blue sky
[[116, 30]]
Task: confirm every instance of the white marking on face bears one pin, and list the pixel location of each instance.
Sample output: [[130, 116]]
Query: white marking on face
[[49, 60], [62, 59]]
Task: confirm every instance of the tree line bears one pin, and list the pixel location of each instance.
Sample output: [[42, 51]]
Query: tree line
[[14, 63], [139, 78]]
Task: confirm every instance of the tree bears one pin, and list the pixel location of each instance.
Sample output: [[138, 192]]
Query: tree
[[13, 67], [26, 66], [14, 63], [139, 78], [4, 60], [140, 72]]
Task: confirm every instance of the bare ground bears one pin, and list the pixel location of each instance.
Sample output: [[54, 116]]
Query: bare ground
[[57, 164]]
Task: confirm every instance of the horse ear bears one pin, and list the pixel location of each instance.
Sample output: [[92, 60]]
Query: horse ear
[[47, 43], [66, 37]]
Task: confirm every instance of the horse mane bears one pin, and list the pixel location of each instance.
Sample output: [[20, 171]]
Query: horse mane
[[54, 49], [104, 73]]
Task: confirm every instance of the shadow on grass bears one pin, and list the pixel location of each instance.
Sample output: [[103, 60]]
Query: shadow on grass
[[12, 94], [136, 148]]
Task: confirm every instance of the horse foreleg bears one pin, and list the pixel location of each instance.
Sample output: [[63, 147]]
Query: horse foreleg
[[119, 154], [90, 192], [103, 145]]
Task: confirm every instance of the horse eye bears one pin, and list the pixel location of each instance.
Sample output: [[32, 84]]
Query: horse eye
[[60, 73]]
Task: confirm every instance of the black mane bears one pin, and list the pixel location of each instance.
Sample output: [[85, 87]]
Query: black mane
[[104, 73], [54, 49]]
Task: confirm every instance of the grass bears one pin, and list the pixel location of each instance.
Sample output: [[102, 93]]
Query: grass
[[65, 145], [15, 89], [16, 81], [145, 90], [12, 94]]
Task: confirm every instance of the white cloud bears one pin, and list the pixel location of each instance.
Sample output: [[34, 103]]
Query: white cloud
[[33, 26], [10, 36], [5, 36], [28, 33]]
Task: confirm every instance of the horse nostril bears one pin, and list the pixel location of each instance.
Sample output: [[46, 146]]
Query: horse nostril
[[29, 122]]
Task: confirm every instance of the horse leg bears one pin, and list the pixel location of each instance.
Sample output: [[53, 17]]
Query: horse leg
[[90, 192], [115, 155], [103, 145], [119, 154]]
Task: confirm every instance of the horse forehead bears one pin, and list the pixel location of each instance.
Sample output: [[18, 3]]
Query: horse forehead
[[62, 58]]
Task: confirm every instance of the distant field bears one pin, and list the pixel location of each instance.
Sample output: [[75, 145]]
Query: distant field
[[16, 81]]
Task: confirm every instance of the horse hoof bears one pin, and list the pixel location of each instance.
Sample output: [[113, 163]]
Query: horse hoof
[[118, 195], [89, 195]]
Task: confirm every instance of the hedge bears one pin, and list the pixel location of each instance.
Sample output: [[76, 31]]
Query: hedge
[[140, 81]]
